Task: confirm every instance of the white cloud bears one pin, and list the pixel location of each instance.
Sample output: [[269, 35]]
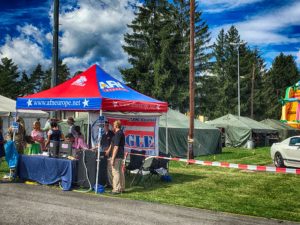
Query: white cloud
[[216, 6], [267, 28], [30, 31], [82, 63], [23, 50], [92, 32]]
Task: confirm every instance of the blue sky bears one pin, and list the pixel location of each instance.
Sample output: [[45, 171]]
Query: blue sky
[[91, 31]]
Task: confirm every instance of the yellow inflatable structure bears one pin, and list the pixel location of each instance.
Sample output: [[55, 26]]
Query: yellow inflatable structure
[[291, 107]]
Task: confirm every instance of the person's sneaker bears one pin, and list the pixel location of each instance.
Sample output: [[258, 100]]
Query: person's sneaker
[[7, 176]]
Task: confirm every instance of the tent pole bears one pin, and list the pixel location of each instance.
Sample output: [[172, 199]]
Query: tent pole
[[98, 155], [88, 131], [15, 120], [167, 139]]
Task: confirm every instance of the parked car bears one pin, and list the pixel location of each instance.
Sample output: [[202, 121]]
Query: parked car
[[287, 152]]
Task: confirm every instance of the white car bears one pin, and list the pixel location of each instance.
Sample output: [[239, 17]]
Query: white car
[[287, 152]]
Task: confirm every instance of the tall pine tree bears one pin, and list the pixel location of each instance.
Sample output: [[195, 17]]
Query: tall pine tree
[[9, 78], [37, 78], [26, 87], [222, 87], [283, 73], [158, 50]]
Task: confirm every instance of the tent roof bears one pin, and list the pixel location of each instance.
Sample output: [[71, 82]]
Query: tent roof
[[179, 120], [8, 106], [94, 89], [230, 120], [276, 124]]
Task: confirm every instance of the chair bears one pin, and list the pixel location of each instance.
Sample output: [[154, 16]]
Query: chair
[[163, 163], [133, 162], [145, 172], [147, 167]]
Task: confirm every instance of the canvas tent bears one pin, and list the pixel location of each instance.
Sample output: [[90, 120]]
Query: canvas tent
[[238, 130], [284, 130], [8, 108], [207, 139], [93, 90]]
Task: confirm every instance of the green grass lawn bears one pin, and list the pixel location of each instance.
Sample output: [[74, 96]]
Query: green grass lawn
[[258, 156], [3, 168], [228, 190], [261, 194]]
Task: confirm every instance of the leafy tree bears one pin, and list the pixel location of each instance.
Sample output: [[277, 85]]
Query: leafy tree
[[9, 76], [225, 69], [77, 72], [143, 46], [222, 88], [158, 50], [37, 78], [282, 74], [25, 84], [212, 101], [254, 69]]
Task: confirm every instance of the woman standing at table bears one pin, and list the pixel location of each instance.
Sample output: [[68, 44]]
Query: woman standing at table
[[54, 134], [38, 135], [79, 139], [19, 138]]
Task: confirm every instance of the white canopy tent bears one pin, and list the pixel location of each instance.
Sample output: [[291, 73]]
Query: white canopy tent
[[8, 108]]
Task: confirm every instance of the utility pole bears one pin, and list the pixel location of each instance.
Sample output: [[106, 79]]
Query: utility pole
[[190, 154], [239, 90], [55, 47], [238, 71], [252, 89]]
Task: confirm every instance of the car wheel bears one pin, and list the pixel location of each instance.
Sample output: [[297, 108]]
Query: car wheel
[[278, 160]]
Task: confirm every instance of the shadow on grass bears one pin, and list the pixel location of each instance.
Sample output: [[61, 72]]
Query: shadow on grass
[[155, 182]]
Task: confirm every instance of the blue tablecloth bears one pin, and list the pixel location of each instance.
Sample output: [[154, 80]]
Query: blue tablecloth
[[47, 170]]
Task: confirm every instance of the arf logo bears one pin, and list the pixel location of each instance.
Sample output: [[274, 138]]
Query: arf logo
[[80, 81], [111, 85]]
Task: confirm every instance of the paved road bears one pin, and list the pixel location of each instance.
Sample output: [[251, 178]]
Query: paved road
[[36, 204]]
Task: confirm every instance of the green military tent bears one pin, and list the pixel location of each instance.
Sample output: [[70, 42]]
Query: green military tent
[[238, 130], [207, 139], [284, 130]]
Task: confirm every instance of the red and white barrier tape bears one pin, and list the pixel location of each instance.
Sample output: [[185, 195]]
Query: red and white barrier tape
[[228, 165]]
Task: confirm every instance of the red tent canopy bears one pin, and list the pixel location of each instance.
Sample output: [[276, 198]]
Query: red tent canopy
[[93, 89]]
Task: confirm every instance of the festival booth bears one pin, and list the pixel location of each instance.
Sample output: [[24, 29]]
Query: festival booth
[[8, 108], [104, 98]]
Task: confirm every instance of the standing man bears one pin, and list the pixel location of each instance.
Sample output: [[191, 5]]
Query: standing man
[[117, 145], [106, 139], [71, 123]]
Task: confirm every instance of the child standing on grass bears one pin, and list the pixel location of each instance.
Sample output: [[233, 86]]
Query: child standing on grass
[[11, 156]]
